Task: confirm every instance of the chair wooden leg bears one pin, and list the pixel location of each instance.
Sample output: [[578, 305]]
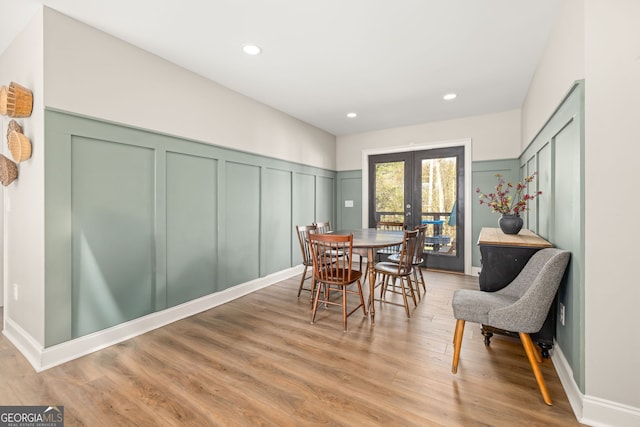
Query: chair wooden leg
[[424, 286], [313, 289], [537, 353], [315, 303], [457, 344], [304, 277], [385, 284], [404, 296], [364, 308], [410, 285], [344, 307], [414, 283], [530, 350]]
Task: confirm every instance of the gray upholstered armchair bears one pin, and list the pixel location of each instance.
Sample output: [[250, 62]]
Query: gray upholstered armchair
[[521, 306]]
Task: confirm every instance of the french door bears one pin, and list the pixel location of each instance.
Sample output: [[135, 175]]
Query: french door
[[423, 187]]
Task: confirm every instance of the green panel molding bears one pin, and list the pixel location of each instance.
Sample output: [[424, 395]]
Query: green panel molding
[[558, 153], [112, 233], [349, 192], [137, 221], [276, 219], [192, 236]]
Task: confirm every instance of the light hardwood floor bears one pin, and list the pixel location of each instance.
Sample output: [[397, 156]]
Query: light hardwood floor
[[258, 361]]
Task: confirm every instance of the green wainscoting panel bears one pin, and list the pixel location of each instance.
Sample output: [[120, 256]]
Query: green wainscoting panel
[[304, 191], [192, 235], [558, 151], [112, 205], [137, 221], [241, 255], [276, 219], [349, 191], [568, 234], [484, 177], [325, 199], [544, 201], [531, 214]]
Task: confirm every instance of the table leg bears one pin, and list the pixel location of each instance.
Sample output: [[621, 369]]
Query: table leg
[[372, 283]]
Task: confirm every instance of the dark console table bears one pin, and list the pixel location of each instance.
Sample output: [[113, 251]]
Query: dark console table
[[503, 256]]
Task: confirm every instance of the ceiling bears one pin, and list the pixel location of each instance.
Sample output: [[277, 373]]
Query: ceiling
[[391, 62]]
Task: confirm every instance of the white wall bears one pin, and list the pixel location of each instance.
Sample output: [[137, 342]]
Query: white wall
[[600, 42], [24, 198], [92, 73], [612, 134], [493, 136], [562, 63]]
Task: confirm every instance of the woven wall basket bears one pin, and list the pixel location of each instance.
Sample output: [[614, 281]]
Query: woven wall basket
[[13, 126], [3, 100], [8, 171], [19, 101], [20, 146]]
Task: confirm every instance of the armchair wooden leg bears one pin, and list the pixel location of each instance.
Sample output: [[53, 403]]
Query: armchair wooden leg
[[457, 343], [530, 350], [536, 353]]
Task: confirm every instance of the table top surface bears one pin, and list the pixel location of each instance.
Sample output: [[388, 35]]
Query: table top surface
[[525, 238], [372, 238]]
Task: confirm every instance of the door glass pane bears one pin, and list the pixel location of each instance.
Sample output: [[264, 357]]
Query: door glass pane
[[438, 188], [389, 191]]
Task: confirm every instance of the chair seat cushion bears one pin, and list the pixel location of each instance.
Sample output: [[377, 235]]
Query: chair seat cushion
[[396, 258], [390, 268], [474, 306]]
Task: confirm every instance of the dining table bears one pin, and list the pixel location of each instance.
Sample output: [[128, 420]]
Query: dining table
[[371, 239]]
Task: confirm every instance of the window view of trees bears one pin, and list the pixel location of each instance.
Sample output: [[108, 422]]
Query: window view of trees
[[438, 199], [390, 191], [438, 185], [438, 194]]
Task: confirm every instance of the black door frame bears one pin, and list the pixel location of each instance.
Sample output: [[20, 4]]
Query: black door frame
[[466, 144], [412, 206]]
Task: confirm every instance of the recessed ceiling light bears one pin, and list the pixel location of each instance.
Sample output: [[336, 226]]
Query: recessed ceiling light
[[251, 49], [449, 96], [352, 115]]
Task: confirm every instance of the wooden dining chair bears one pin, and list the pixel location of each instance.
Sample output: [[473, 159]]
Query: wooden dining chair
[[303, 237], [418, 260], [400, 271], [388, 226], [332, 272], [323, 227]]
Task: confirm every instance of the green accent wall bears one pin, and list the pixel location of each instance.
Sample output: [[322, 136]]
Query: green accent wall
[[483, 176], [557, 154], [137, 222], [349, 188], [112, 242], [191, 227]]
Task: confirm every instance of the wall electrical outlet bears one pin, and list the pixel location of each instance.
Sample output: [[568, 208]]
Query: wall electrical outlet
[[15, 292], [562, 314]]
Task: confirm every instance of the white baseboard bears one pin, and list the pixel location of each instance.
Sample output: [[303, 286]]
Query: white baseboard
[[565, 372], [600, 413], [590, 410], [475, 271], [24, 342], [44, 358]]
